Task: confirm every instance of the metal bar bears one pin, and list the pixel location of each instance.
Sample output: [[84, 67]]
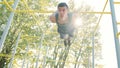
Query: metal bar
[[89, 61], [7, 4], [26, 5], [118, 23], [16, 45], [44, 59], [93, 61], [36, 66], [97, 12], [39, 11], [100, 17], [24, 61], [5, 55], [42, 36], [11, 2], [1, 2], [27, 64], [118, 34], [114, 22], [116, 2], [5, 32]]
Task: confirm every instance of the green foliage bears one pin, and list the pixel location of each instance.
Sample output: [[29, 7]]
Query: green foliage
[[39, 37]]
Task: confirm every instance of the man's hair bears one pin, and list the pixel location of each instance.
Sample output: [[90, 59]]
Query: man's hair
[[62, 4]]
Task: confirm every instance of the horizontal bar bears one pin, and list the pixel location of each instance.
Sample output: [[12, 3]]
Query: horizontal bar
[[118, 23], [11, 2], [5, 55], [116, 2], [7, 4], [97, 12], [1, 2], [38, 11], [32, 11], [118, 34]]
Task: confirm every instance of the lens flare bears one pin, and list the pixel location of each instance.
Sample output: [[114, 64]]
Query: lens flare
[[78, 22]]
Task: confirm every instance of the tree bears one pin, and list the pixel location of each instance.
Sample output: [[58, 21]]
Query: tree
[[40, 45]]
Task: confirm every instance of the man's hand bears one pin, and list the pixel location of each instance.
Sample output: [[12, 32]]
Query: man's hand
[[52, 18]]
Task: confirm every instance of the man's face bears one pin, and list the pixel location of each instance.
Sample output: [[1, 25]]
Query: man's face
[[62, 11]]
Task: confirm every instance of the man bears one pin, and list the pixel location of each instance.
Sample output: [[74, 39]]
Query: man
[[65, 22]]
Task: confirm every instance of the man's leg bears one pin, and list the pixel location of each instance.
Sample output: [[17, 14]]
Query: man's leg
[[71, 35], [65, 37], [69, 41], [65, 42]]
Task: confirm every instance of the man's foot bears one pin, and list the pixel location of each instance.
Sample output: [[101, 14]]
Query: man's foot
[[65, 42], [69, 42]]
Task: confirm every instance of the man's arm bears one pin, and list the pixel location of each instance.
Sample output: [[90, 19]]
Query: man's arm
[[53, 18]]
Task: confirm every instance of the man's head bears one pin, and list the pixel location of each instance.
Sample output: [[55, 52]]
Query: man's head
[[62, 9]]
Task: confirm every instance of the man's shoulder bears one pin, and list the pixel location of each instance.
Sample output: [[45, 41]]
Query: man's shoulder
[[72, 13]]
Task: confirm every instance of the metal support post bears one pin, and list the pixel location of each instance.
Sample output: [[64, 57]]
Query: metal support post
[[114, 22], [5, 32]]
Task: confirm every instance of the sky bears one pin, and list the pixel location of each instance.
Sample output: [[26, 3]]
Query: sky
[[106, 30]]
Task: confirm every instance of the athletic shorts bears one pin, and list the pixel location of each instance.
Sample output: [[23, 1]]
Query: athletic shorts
[[65, 36]]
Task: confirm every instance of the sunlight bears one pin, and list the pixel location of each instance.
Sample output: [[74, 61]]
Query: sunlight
[[108, 52], [78, 22]]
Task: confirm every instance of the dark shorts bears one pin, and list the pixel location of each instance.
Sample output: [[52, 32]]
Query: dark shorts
[[64, 36]]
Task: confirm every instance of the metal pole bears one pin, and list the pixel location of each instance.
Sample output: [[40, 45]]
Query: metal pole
[[114, 22], [93, 61], [37, 61], [89, 61], [24, 61], [44, 59], [5, 32], [27, 64], [16, 45]]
